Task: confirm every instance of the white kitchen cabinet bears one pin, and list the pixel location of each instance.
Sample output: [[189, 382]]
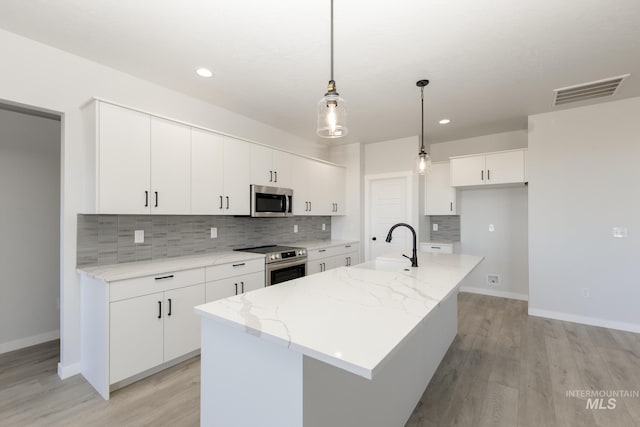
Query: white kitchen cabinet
[[436, 247], [321, 259], [123, 178], [170, 167], [219, 175], [504, 167], [319, 188], [440, 197], [270, 167], [181, 324], [136, 335], [305, 176], [336, 189]]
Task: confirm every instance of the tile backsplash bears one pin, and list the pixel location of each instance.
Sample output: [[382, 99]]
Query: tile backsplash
[[109, 239], [448, 228]]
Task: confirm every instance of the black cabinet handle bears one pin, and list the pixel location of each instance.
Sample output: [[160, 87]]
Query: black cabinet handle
[[322, 250], [236, 285], [227, 202], [374, 238], [164, 277], [169, 314], [309, 206], [242, 284], [238, 265], [347, 246], [159, 309], [270, 176], [220, 202], [276, 175], [435, 247], [451, 206], [306, 206], [488, 174], [146, 199], [482, 175], [156, 198]]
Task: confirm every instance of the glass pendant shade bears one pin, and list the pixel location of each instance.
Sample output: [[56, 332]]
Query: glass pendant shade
[[423, 162], [332, 116]]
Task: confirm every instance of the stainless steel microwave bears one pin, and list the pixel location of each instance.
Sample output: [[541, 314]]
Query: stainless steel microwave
[[271, 202]]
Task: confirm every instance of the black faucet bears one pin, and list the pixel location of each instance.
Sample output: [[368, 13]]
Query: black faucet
[[414, 258]]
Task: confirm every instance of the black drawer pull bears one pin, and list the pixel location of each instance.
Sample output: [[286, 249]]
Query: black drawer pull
[[169, 314], [221, 202], [159, 309], [347, 246], [165, 277], [322, 250], [146, 199], [242, 284], [239, 265], [436, 247], [156, 199], [236, 285]]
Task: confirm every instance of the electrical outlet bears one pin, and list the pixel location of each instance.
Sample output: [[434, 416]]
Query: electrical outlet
[[295, 228], [138, 236], [492, 228], [586, 293], [324, 227], [493, 279], [620, 232], [434, 227], [214, 232]]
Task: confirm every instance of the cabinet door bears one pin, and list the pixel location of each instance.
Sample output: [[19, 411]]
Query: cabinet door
[[251, 282], [170, 167], [223, 288], [337, 189], [468, 171], [207, 173], [354, 258], [440, 196], [303, 178], [124, 168], [136, 335], [322, 191], [236, 177], [181, 324], [316, 266], [282, 168], [504, 168], [261, 164]]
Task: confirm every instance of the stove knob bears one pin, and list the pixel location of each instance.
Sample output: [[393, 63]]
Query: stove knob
[[272, 257], [277, 256]]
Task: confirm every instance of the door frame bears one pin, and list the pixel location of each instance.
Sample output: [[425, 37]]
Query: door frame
[[409, 177]]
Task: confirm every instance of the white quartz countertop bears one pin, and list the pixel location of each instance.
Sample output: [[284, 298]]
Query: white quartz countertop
[[128, 270], [319, 244], [349, 317]]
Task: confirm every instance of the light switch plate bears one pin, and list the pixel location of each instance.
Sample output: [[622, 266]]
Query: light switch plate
[[434, 227], [295, 228], [324, 227], [138, 236], [214, 232], [492, 228]]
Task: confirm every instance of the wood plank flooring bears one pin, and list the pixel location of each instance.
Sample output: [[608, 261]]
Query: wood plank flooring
[[503, 369]]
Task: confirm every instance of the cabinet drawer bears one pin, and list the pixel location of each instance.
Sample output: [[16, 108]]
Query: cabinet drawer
[[123, 289], [218, 272], [322, 253], [444, 248], [345, 249]]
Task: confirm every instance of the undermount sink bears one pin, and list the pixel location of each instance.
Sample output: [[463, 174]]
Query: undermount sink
[[385, 264]]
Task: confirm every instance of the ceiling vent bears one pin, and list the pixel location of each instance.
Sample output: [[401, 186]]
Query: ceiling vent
[[582, 92]]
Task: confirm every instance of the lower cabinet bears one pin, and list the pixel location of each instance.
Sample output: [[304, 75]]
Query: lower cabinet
[[236, 285], [323, 259]]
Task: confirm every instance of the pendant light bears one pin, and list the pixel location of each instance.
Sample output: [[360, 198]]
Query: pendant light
[[332, 112], [424, 161]]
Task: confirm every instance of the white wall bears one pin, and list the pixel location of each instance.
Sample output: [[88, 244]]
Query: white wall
[[584, 180], [350, 226], [30, 229], [505, 249], [37, 75]]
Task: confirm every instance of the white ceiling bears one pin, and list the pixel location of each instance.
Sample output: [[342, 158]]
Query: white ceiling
[[491, 63]]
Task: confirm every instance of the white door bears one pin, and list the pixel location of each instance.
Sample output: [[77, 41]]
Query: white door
[[181, 324], [207, 173], [504, 168], [124, 161], [388, 205], [237, 177], [468, 171], [170, 167]]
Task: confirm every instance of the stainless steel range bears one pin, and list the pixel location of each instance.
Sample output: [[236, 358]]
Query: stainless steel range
[[282, 263]]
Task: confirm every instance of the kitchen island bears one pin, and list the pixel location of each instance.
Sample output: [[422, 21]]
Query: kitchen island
[[353, 346]]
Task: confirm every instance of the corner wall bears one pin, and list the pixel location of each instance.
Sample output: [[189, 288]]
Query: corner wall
[[584, 180]]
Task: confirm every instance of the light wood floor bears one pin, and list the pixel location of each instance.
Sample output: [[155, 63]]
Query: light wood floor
[[503, 369]]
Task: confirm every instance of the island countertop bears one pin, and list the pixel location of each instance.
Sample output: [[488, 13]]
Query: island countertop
[[350, 317]]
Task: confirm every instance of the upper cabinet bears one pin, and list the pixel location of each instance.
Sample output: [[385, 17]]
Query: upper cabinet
[[149, 165], [440, 195], [271, 167], [504, 167], [219, 174]]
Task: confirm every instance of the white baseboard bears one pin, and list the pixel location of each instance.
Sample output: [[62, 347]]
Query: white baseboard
[[65, 372], [29, 341], [490, 292], [593, 321]]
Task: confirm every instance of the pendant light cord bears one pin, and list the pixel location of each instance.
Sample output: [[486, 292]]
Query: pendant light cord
[[332, 40], [422, 102]]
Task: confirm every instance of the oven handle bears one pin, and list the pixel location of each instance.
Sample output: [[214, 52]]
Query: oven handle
[[278, 265], [286, 204]]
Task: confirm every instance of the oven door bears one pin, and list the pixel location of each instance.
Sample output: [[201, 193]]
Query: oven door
[[271, 201], [287, 270]]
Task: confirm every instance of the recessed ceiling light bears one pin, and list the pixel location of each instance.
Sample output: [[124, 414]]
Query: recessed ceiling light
[[204, 72], [444, 121]]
